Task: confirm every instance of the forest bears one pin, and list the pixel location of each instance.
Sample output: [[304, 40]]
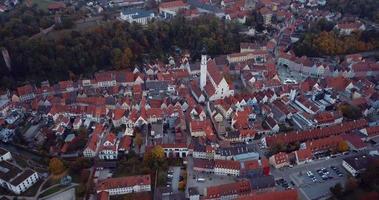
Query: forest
[[366, 9], [322, 40], [115, 45]]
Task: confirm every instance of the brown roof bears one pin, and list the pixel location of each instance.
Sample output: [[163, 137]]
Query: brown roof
[[316, 133], [240, 187], [272, 195], [122, 182], [172, 4]]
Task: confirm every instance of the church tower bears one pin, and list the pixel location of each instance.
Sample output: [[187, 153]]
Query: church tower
[[203, 71]]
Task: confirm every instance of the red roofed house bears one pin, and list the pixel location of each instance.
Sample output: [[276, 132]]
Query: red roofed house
[[170, 9], [314, 133], [303, 155], [347, 28], [124, 145], [227, 167], [77, 123], [324, 144], [118, 117], [92, 146], [354, 142], [26, 92], [279, 160], [56, 6], [109, 148], [198, 128], [125, 185], [227, 191], [105, 79], [267, 15], [370, 132], [272, 195]]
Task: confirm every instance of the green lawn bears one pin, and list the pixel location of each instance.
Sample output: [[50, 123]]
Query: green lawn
[[51, 191], [42, 4], [49, 183]]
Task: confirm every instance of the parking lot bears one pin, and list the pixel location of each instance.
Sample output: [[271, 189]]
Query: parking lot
[[315, 182], [307, 187], [207, 179], [173, 178]]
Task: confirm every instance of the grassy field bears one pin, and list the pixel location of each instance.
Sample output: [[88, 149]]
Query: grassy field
[[42, 4], [51, 191]]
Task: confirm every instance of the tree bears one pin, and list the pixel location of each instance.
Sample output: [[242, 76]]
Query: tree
[[80, 164], [158, 153], [370, 196], [337, 190], [350, 111], [351, 184], [154, 158], [56, 166], [127, 58], [279, 147], [342, 146]]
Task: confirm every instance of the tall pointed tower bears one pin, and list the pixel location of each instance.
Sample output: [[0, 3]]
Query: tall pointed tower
[[203, 70]]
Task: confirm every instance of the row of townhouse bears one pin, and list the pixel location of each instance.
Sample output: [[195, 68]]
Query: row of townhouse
[[305, 66], [123, 185], [231, 167], [101, 80], [307, 152], [106, 145]]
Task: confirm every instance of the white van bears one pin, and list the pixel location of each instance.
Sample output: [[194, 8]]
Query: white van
[[201, 180]]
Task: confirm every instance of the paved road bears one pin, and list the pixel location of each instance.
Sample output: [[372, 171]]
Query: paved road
[[175, 178], [65, 194]]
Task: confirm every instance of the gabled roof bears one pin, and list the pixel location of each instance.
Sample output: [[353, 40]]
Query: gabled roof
[[122, 182], [271, 195]]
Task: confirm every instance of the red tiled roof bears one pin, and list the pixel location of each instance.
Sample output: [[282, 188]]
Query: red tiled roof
[[354, 140], [280, 158], [337, 83], [316, 133], [349, 25], [25, 90], [247, 133], [324, 144], [129, 181], [118, 113], [324, 117], [252, 165], [172, 4], [125, 143], [372, 131], [56, 5], [92, 143], [227, 164], [240, 187], [103, 195], [303, 154], [272, 195]]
